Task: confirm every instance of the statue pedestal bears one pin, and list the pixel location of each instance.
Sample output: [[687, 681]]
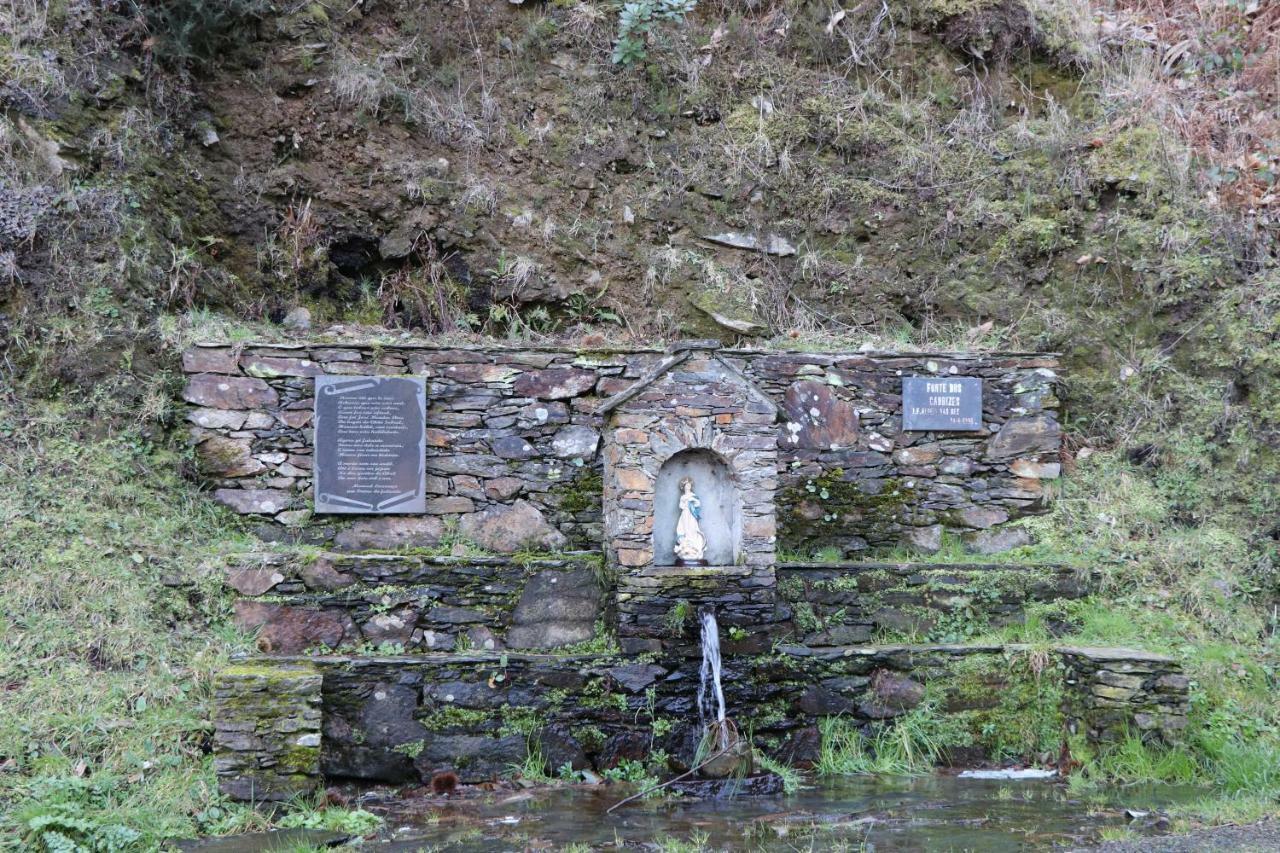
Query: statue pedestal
[[689, 563]]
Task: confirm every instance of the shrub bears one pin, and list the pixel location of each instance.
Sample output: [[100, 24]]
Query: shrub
[[637, 22], [196, 31]]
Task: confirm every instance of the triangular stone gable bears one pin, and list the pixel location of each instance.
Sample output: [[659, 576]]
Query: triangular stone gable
[[675, 360]]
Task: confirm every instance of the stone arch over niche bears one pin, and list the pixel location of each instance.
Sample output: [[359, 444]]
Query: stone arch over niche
[[713, 483]]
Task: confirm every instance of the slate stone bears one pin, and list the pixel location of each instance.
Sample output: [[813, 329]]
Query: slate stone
[[474, 759], [1021, 436], [997, 541], [820, 702], [758, 785], [508, 529], [227, 457], [556, 383], [210, 360], [512, 447], [635, 677], [289, 630], [981, 517], [556, 608], [927, 540], [229, 392], [253, 581], [575, 442], [891, 695], [801, 749], [390, 533], [320, 574], [818, 418], [559, 747], [254, 501]]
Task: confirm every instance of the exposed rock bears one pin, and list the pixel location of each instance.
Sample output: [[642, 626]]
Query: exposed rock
[[297, 320], [997, 540], [395, 626], [728, 312], [270, 367], [512, 447], [769, 244], [217, 418], [484, 639], [290, 630], [559, 748], [507, 529], [1035, 470], [229, 392], [210, 360], [389, 533], [473, 758], [817, 701], [254, 501], [801, 748], [758, 785], [556, 608]]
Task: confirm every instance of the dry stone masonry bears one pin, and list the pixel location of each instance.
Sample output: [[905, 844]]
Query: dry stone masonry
[[513, 439], [522, 590]]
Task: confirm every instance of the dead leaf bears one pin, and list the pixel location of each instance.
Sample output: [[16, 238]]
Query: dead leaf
[[835, 19]]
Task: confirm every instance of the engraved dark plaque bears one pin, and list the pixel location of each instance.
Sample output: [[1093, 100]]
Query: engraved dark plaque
[[370, 444], [941, 404]]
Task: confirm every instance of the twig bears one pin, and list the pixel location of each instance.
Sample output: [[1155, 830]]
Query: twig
[[672, 780]]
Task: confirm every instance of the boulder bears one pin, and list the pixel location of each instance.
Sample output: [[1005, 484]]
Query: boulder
[[801, 748], [559, 747], [508, 529], [320, 574]]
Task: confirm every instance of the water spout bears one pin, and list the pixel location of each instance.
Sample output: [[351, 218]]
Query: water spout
[[709, 675]]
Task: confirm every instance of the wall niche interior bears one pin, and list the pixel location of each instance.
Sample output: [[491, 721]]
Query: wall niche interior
[[721, 520]]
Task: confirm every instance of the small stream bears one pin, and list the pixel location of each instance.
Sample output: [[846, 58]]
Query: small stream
[[939, 812]]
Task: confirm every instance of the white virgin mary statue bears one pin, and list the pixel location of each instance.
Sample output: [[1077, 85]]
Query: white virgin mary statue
[[690, 543]]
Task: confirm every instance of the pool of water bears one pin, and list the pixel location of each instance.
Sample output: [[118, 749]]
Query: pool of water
[[940, 812]]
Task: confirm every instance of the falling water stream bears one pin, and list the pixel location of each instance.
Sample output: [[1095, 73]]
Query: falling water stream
[[709, 675]]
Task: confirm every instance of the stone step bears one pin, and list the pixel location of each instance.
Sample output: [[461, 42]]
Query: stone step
[[852, 602]]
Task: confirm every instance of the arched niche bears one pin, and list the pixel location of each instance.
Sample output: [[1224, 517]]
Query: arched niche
[[721, 520]]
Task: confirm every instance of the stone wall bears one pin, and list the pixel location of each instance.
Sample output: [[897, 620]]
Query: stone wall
[[401, 719], [266, 730], [1113, 693], [513, 438], [395, 604]]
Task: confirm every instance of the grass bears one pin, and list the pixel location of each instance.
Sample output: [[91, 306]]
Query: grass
[[910, 746], [108, 670]]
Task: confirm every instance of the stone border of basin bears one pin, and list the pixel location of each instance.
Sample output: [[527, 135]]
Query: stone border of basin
[[403, 718]]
